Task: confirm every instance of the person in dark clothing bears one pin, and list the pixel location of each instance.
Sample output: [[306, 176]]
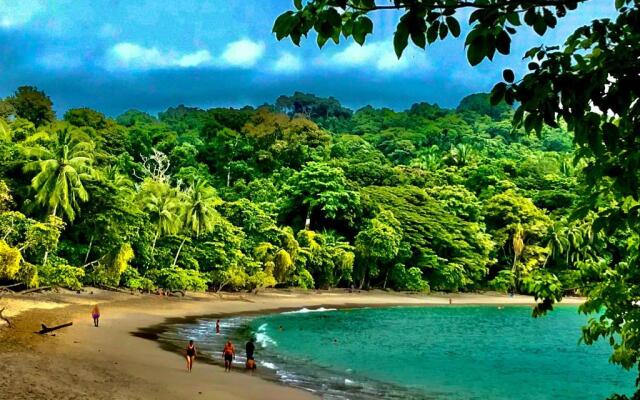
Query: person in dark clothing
[[250, 348], [191, 355]]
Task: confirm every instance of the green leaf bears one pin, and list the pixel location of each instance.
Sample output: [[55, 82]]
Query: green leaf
[[508, 75], [514, 19], [503, 42], [540, 26], [443, 31], [477, 50], [454, 26], [530, 16], [400, 38], [321, 40], [432, 32], [497, 93], [283, 24], [361, 28], [297, 4], [418, 38]]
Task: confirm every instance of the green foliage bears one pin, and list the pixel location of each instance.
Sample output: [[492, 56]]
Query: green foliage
[[480, 103], [225, 199], [112, 266], [10, 261], [33, 105], [320, 186], [178, 279], [601, 60], [63, 160], [408, 279], [132, 279], [61, 275]]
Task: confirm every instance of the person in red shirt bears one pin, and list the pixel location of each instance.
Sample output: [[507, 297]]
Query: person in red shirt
[[228, 353]]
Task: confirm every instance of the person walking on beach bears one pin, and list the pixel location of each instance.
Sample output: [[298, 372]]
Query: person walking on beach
[[95, 314], [191, 355], [217, 327], [228, 353]]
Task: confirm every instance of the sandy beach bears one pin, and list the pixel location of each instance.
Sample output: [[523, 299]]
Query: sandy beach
[[84, 362]]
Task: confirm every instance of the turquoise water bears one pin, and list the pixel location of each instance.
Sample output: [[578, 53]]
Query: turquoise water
[[447, 353]]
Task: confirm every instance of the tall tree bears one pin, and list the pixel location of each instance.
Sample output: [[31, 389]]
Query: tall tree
[[32, 104], [63, 164], [319, 185], [200, 214], [164, 208]]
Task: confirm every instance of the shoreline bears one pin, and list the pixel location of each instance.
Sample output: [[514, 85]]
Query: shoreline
[[112, 362]]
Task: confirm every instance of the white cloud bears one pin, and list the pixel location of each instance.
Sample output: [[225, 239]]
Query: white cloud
[[127, 55], [14, 13], [200, 57], [243, 53], [379, 55], [287, 63]]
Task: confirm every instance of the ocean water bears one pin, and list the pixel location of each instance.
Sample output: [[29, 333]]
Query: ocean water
[[448, 353]]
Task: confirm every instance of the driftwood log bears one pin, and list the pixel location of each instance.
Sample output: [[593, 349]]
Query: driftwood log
[[46, 329], [38, 289], [5, 319]]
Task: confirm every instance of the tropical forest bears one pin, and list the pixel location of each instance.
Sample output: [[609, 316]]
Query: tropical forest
[[303, 192]]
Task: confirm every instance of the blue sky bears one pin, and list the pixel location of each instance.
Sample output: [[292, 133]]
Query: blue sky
[[113, 55]]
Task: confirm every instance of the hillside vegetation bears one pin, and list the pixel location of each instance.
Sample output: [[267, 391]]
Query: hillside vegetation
[[303, 192]]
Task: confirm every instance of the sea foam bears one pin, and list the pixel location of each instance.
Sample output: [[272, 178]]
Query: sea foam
[[307, 310]]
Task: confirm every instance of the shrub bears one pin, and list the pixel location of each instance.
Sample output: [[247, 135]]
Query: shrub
[[61, 275], [177, 279], [132, 279]]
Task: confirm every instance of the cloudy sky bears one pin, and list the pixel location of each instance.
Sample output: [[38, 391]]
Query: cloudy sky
[[113, 55]]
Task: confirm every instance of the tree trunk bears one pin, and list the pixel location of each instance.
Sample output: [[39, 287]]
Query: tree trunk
[[364, 275], [46, 253], [46, 329], [5, 319], [384, 285], [228, 176], [307, 222], [153, 245], [86, 257], [222, 285], [175, 259], [515, 273]]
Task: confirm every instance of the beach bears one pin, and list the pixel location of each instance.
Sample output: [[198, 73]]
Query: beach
[[109, 362]]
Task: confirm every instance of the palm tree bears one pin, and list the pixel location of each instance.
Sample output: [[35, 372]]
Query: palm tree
[[558, 242], [199, 215], [64, 164], [164, 208], [461, 154]]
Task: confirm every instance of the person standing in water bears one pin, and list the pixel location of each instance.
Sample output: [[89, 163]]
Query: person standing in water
[[228, 353], [250, 347], [191, 354], [95, 314], [217, 327]]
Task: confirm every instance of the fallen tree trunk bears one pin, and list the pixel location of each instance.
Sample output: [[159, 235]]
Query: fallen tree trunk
[[38, 289], [46, 329], [5, 319], [8, 287], [114, 289]]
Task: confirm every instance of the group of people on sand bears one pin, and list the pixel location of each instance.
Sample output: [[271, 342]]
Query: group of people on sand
[[228, 353]]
